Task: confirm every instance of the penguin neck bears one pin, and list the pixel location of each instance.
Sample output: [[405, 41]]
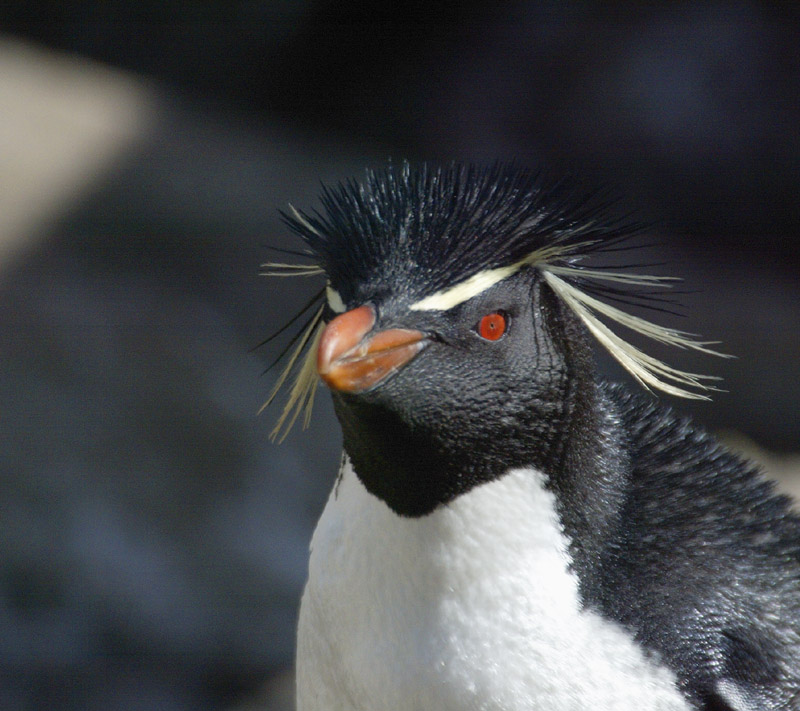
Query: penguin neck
[[590, 480], [575, 443], [589, 470], [416, 466]]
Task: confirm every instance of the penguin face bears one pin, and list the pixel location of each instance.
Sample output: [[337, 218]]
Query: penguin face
[[416, 362], [433, 403]]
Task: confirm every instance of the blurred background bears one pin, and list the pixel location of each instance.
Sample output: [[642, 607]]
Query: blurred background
[[153, 542]]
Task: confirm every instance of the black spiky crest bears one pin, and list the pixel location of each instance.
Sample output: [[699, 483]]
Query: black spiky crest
[[421, 230]]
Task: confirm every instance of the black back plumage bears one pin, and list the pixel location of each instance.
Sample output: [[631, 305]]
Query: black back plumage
[[704, 563]]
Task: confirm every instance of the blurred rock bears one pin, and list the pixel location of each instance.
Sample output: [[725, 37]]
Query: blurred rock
[[64, 122], [155, 541], [276, 695]]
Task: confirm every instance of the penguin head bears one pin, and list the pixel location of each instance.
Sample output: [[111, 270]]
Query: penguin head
[[453, 326]]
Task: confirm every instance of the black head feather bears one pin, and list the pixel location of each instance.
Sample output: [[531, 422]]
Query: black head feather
[[419, 230]]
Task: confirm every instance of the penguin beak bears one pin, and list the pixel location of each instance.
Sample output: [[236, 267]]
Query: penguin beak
[[351, 360]]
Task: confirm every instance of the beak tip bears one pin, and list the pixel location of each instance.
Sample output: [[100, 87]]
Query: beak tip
[[341, 335]]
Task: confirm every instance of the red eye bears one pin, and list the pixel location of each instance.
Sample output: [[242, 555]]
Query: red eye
[[492, 326]]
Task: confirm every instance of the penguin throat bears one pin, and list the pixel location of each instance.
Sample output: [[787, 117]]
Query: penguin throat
[[416, 469]]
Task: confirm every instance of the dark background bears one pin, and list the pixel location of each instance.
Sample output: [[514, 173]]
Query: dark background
[[152, 540]]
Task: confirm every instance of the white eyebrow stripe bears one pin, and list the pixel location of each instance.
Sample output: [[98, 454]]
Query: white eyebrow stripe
[[334, 300], [458, 294], [453, 296]]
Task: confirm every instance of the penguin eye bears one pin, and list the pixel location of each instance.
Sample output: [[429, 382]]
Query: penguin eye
[[492, 326]]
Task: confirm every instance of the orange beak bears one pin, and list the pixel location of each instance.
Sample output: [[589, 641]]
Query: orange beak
[[350, 361]]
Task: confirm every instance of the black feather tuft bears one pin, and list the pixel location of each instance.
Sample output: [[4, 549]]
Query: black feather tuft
[[418, 230]]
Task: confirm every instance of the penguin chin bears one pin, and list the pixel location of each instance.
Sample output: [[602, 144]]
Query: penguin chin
[[418, 459], [394, 461]]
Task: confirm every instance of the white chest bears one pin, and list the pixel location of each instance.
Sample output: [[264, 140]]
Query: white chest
[[470, 608]]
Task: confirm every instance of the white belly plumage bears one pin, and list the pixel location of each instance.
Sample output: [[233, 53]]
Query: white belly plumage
[[472, 607]]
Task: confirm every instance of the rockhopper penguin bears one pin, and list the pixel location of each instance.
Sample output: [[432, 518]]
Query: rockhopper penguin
[[508, 532]]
